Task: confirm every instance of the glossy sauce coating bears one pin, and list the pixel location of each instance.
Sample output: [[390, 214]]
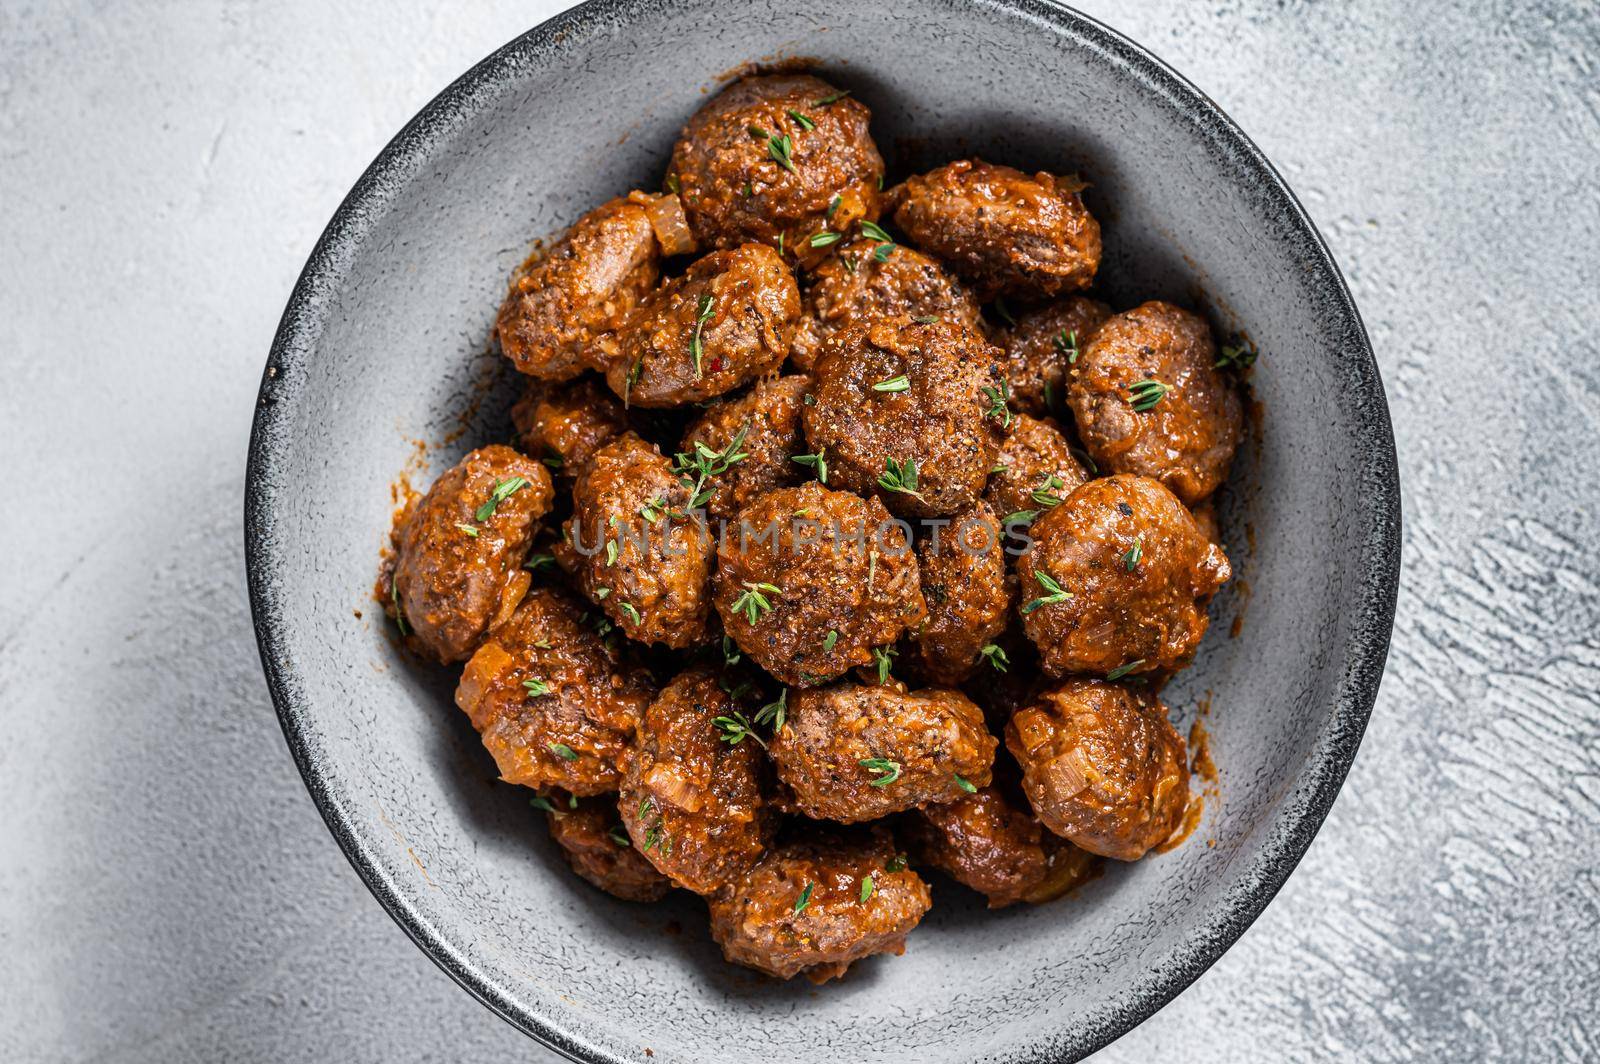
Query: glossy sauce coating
[[595, 846], [736, 308], [553, 701], [1035, 467], [640, 554], [855, 284], [692, 802], [564, 424], [735, 188], [1188, 438], [966, 585], [768, 415], [917, 742], [1042, 345], [1136, 571], [1005, 232], [1102, 767], [802, 910], [455, 574], [984, 842], [562, 301], [836, 574], [896, 390]]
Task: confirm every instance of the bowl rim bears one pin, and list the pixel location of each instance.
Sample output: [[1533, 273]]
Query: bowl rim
[[1320, 778]]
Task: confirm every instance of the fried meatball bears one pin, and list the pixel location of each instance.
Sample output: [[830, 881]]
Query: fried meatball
[[460, 547], [553, 701], [1004, 232], [810, 580], [768, 416], [693, 803], [594, 843], [819, 902], [967, 591], [644, 556], [854, 284], [1133, 572], [582, 288], [1035, 470], [725, 322], [564, 424], [1160, 358], [854, 752], [1042, 345], [910, 411], [984, 842], [768, 160], [1102, 766]]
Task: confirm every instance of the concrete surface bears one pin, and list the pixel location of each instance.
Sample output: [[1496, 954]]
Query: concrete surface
[[168, 893]]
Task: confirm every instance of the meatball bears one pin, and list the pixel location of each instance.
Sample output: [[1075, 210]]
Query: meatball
[[984, 842], [766, 423], [967, 591], [460, 548], [564, 300], [1042, 345], [855, 752], [564, 424], [1003, 231], [1102, 767], [911, 411], [693, 803], [592, 840], [855, 284], [818, 903], [810, 580], [1115, 580], [1149, 399], [552, 700], [727, 320], [776, 160], [1036, 469], [643, 555]]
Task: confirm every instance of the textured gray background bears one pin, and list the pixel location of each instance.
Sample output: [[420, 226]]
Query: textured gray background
[[167, 892]]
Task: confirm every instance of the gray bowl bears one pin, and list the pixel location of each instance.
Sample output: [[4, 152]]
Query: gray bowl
[[385, 342]]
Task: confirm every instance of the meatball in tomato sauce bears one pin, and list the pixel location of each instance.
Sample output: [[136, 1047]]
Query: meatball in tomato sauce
[[1043, 345], [1149, 399], [966, 585], [1116, 580], [460, 547], [762, 426], [590, 834], [1036, 469], [564, 424]]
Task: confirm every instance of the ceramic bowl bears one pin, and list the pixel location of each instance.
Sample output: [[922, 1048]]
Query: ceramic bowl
[[385, 342]]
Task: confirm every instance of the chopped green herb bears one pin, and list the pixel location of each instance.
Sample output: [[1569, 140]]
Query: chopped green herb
[[1020, 517], [825, 239], [753, 601], [699, 465], [652, 510], [471, 530], [874, 231], [1135, 552], [890, 770], [1122, 670], [867, 887], [600, 593], [902, 383], [1067, 344], [632, 613], [830, 641], [818, 462], [502, 491], [897, 863], [833, 205], [775, 713], [927, 319], [1045, 494], [833, 97], [1088, 463], [849, 263], [900, 476], [543, 644], [611, 553], [882, 657], [543, 803], [998, 405], [702, 313], [802, 121], [996, 656], [554, 461], [805, 898], [966, 785], [779, 149], [536, 688], [620, 837], [563, 751], [735, 726], [1145, 394], [399, 614], [1054, 592], [1235, 357]]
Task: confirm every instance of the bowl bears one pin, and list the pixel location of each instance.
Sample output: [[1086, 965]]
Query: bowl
[[385, 342]]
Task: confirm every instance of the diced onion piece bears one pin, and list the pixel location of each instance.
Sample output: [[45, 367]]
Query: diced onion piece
[[671, 225]]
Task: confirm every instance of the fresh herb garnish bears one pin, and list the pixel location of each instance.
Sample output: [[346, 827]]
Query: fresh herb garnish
[[753, 601], [802, 121], [702, 314], [1054, 592], [1122, 670], [1135, 552], [927, 319], [611, 553], [554, 461], [867, 887], [832, 97], [1231, 357], [998, 405], [563, 751], [897, 863], [471, 530], [882, 656], [874, 231], [652, 510], [804, 899], [890, 770], [902, 383], [1067, 344], [702, 463], [735, 726], [833, 205], [632, 612], [620, 837], [1020, 517], [600, 593], [775, 713], [996, 656], [539, 801], [1045, 494], [966, 785], [1145, 394], [826, 238], [830, 641], [501, 492], [818, 462], [779, 149], [399, 614], [900, 476], [536, 688]]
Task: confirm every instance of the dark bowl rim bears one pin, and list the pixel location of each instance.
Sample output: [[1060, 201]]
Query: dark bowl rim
[[1319, 780]]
